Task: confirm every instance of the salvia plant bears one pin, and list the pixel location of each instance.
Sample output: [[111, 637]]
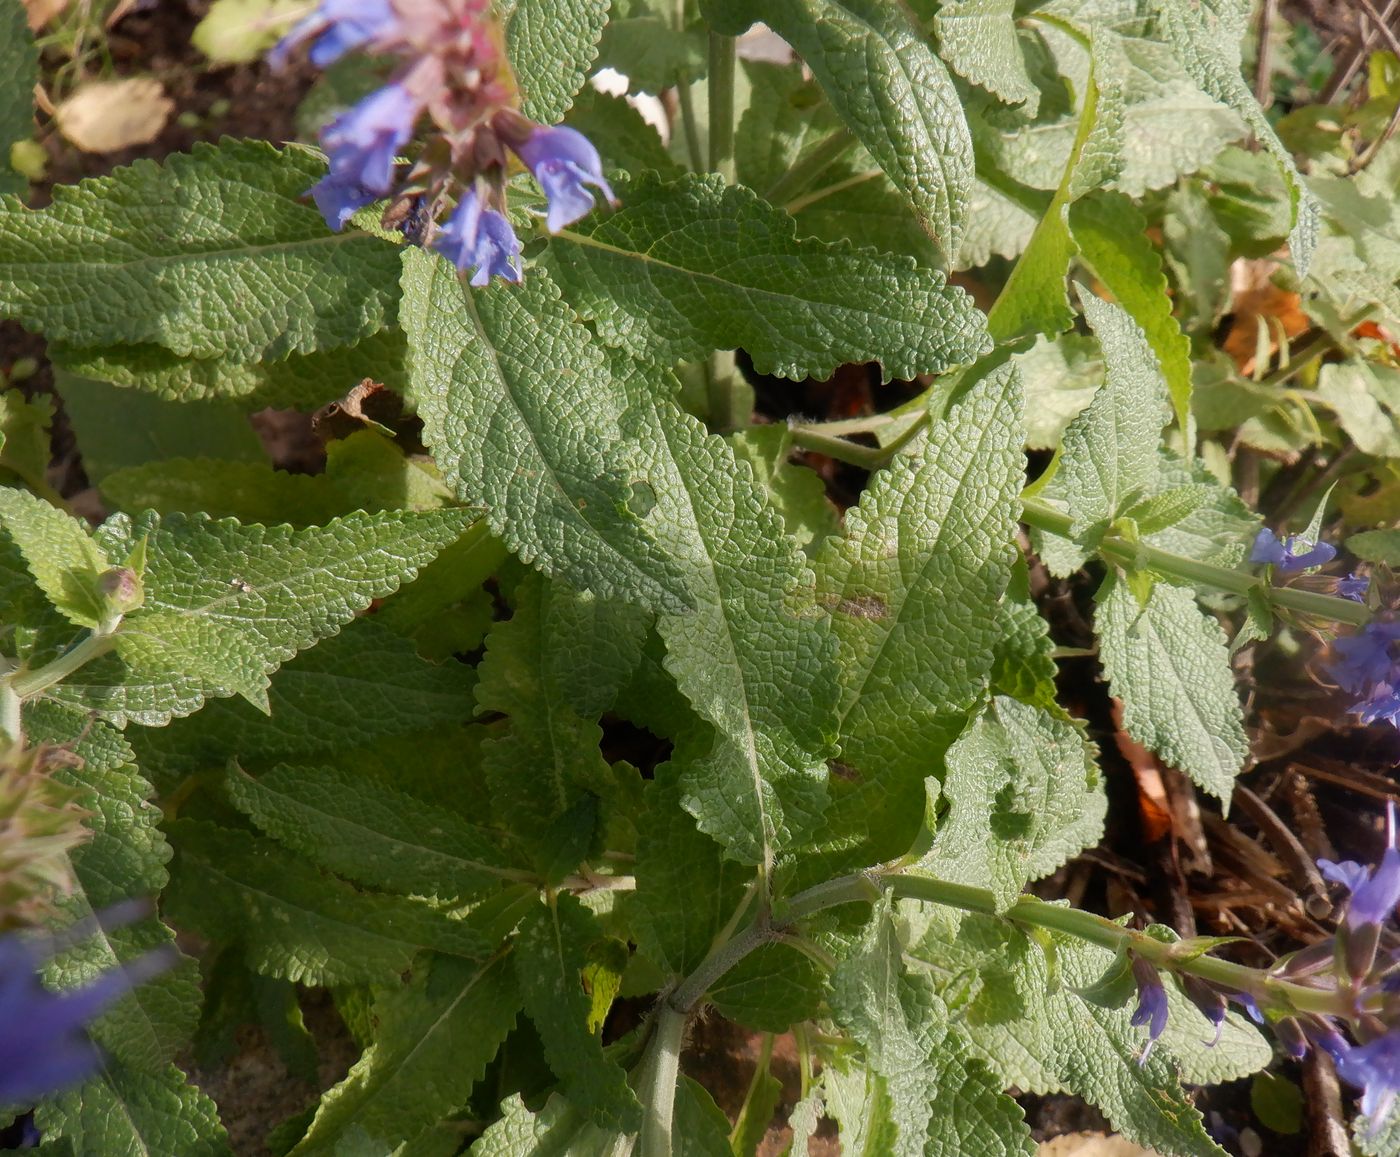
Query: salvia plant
[[563, 709]]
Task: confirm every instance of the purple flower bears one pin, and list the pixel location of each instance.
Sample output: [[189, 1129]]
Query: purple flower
[[1375, 1069], [339, 202], [44, 1045], [563, 162], [339, 26], [481, 239], [1152, 1004], [1374, 894], [1285, 556], [1367, 662], [363, 142], [1353, 588]]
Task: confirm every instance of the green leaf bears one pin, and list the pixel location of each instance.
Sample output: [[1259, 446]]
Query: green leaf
[[369, 833], [1111, 235], [560, 1129], [772, 989], [1024, 665], [1043, 1037], [736, 276], [551, 45], [686, 889], [913, 590], [760, 1104], [549, 463], [125, 858], [753, 657], [551, 952], [117, 429], [1382, 546], [1024, 795], [1108, 458], [887, 84], [295, 921], [63, 558], [19, 66], [1034, 300], [899, 1022], [623, 138], [302, 381], [357, 687], [364, 471], [227, 604], [978, 40], [127, 1113], [797, 492], [1169, 664], [1217, 531], [554, 667], [1206, 38], [652, 53], [433, 1039], [148, 255], [937, 1103]]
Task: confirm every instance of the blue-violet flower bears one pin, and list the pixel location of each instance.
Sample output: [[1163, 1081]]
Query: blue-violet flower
[[339, 26], [44, 1046], [339, 202], [363, 142], [1152, 1004], [1374, 1068], [563, 161], [1285, 554], [481, 239], [1353, 587], [1374, 894]]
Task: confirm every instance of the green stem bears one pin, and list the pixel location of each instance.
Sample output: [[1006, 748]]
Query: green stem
[[688, 122], [1036, 913], [721, 88], [1137, 555], [727, 396], [657, 1088], [866, 457], [10, 722], [27, 684]]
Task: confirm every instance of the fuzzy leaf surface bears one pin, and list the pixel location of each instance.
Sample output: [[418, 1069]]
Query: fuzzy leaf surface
[[691, 266], [129, 1113], [753, 658], [297, 922], [521, 415], [1024, 796], [550, 954], [227, 604], [125, 858], [551, 45], [880, 73], [1207, 43], [913, 589], [215, 254], [433, 1040], [60, 554], [369, 833], [1043, 1036], [1108, 458], [1169, 663], [978, 40]]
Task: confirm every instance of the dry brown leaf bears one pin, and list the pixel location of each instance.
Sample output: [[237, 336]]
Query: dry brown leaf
[[1091, 1145], [108, 115], [1255, 301], [40, 12]]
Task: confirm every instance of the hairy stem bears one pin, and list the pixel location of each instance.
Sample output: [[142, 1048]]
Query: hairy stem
[[27, 684], [657, 1087], [721, 89], [1137, 555]]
